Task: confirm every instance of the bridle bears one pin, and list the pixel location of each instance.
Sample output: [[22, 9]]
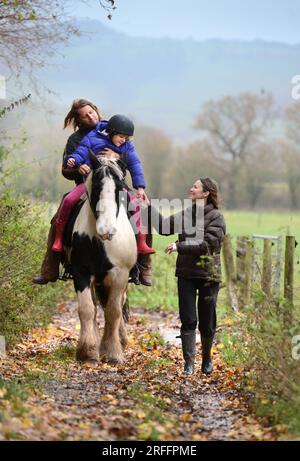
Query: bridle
[[95, 171]]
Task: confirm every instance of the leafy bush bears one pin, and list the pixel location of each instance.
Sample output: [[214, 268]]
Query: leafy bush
[[261, 342], [23, 233]]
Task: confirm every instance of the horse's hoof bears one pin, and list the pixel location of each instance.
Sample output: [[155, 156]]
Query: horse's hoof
[[112, 360], [85, 353], [91, 363]]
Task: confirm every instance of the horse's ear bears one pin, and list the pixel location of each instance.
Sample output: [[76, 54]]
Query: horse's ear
[[94, 161]]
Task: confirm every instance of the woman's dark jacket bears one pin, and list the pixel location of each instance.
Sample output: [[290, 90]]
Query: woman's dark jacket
[[201, 260], [71, 146]]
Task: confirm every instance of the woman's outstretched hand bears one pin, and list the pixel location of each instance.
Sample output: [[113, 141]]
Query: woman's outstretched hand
[[141, 194], [170, 248]]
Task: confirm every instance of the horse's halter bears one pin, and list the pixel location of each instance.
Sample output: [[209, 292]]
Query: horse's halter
[[115, 173]]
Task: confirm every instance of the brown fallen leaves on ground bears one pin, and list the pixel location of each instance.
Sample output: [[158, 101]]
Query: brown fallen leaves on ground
[[46, 395]]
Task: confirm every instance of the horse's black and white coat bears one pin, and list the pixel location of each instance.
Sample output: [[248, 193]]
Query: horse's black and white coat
[[102, 253]]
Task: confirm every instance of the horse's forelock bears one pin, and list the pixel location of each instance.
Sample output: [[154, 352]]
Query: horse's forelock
[[110, 165], [107, 169]]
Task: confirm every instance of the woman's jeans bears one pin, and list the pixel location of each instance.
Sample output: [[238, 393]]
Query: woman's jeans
[[207, 300]]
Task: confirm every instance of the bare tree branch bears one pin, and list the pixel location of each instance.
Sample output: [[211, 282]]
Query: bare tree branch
[[235, 125], [109, 6], [30, 31], [13, 105]]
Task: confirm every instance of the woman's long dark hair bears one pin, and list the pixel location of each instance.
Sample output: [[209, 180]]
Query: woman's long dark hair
[[209, 185], [73, 117]]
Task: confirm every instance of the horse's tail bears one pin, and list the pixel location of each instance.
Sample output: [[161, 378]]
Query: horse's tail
[[100, 294]]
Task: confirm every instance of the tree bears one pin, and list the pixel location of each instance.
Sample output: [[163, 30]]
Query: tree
[[292, 119], [235, 125], [186, 166], [154, 148], [291, 153], [290, 157], [29, 33], [30, 30], [4, 150], [259, 169]]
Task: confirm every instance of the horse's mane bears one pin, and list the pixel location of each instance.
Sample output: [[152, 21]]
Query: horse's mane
[[105, 168], [112, 166]]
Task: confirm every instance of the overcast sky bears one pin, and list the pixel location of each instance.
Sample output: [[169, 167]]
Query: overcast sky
[[276, 20]]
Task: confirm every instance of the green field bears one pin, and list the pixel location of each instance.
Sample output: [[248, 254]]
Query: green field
[[163, 294], [266, 223], [276, 223]]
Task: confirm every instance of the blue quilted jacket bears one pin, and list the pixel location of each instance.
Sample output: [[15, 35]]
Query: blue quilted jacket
[[96, 140]]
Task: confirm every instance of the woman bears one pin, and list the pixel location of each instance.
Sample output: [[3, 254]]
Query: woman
[[82, 117], [198, 269]]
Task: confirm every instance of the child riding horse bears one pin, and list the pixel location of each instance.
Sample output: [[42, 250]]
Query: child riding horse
[[113, 134]]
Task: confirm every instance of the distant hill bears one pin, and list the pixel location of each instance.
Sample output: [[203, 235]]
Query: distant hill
[[164, 82]]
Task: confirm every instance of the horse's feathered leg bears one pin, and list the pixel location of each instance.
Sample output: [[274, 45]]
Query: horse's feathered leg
[[114, 334], [102, 295], [89, 338]]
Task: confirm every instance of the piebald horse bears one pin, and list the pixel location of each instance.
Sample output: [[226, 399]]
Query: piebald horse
[[102, 253]]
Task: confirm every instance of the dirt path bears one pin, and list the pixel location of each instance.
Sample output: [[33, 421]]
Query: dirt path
[[48, 396]]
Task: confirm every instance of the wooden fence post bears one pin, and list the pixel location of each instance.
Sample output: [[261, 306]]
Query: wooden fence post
[[289, 267], [289, 280], [246, 293], [266, 279], [230, 272], [240, 257]]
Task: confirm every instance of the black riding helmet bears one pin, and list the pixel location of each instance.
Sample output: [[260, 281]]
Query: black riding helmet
[[120, 124]]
